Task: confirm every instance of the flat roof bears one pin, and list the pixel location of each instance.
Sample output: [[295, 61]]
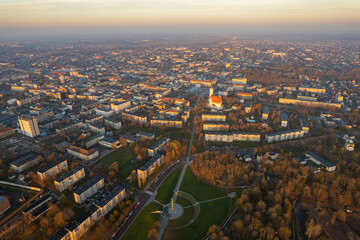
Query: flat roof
[[160, 142], [150, 162], [68, 174], [25, 158], [51, 165], [88, 185]]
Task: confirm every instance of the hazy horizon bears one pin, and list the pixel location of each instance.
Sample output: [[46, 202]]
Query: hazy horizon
[[37, 18]]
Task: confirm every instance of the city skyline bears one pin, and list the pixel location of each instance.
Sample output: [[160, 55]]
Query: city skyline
[[79, 17]]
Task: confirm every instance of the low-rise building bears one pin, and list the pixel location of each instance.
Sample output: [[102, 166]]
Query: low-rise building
[[6, 132], [147, 136], [25, 162], [69, 128], [53, 169], [158, 146], [88, 189], [116, 124], [320, 161], [93, 140], [93, 127], [110, 143], [4, 204], [83, 153], [69, 178]]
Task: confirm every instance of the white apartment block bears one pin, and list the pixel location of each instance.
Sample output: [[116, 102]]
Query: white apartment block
[[69, 178]]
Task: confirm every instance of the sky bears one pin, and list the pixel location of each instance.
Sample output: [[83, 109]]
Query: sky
[[67, 17]]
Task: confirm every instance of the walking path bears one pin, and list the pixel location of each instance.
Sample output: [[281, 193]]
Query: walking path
[[176, 191]]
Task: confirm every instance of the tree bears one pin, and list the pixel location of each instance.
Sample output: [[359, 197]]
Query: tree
[[153, 234], [341, 215], [284, 232], [313, 230], [122, 141]]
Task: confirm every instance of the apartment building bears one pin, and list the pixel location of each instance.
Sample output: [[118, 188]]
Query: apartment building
[[149, 167], [215, 126], [104, 112], [96, 128], [116, 124], [166, 123], [246, 136], [53, 169], [232, 137], [76, 229], [219, 137], [72, 127], [158, 146], [118, 107], [25, 161], [134, 118], [69, 178], [111, 200], [213, 117], [29, 126], [83, 153], [88, 189], [309, 103], [312, 90], [283, 136]]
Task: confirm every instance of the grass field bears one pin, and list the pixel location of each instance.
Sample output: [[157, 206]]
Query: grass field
[[166, 189], [200, 190], [213, 212], [123, 156], [143, 223], [187, 214]]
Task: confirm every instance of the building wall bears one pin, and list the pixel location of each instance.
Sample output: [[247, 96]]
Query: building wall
[[71, 180], [29, 127]]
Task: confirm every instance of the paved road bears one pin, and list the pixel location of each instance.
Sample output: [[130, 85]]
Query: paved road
[[176, 191]]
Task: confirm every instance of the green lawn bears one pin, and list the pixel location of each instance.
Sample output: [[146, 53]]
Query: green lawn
[[123, 156], [210, 213], [143, 223], [166, 189], [200, 190], [187, 214]]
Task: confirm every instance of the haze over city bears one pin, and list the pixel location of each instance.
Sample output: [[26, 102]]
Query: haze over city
[[113, 17], [179, 120]]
